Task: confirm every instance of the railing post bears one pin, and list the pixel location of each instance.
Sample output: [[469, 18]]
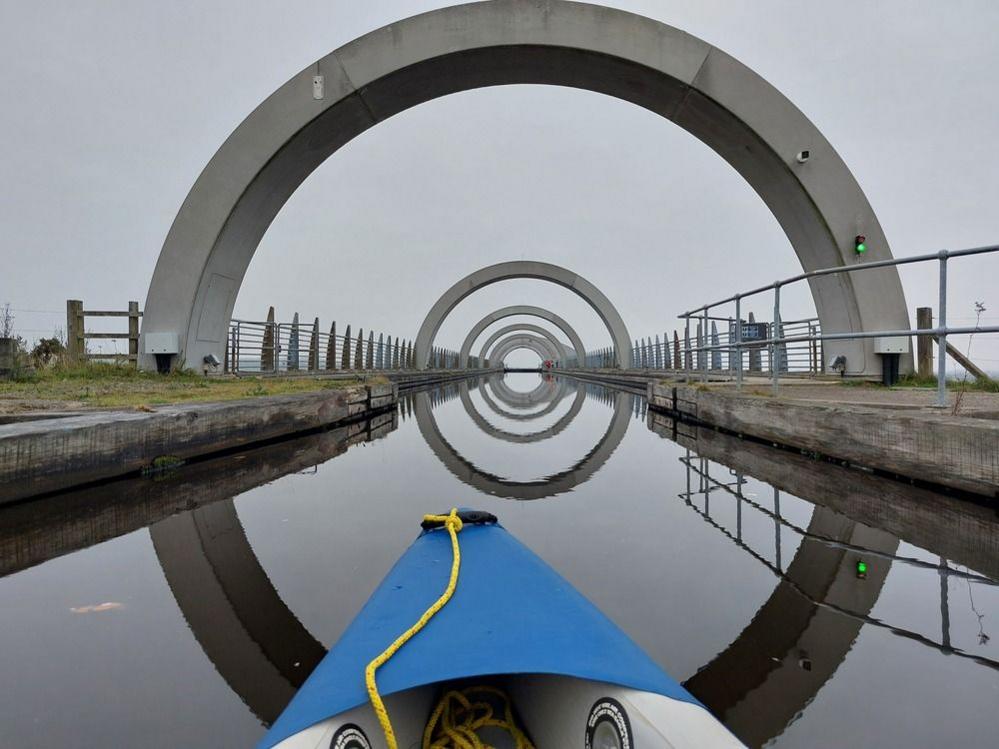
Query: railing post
[[687, 361], [74, 329], [942, 338], [702, 345], [738, 343], [774, 364]]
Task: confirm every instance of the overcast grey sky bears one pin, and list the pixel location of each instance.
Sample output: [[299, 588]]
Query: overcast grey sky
[[111, 109]]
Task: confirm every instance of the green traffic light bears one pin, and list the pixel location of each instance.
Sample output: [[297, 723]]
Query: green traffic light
[[861, 247], [861, 569]]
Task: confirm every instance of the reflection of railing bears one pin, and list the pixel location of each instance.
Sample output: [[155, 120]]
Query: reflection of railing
[[269, 347], [699, 468], [779, 336]]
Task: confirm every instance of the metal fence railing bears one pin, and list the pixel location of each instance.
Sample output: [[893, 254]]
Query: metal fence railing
[[780, 336], [269, 347]]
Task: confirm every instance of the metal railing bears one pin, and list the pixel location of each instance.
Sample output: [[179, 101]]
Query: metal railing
[[268, 347], [778, 336]]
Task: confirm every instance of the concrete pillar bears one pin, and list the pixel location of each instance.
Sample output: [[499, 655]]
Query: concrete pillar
[[331, 348], [314, 346], [345, 356], [924, 343], [369, 362], [359, 350], [395, 353], [268, 357], [293, 344]]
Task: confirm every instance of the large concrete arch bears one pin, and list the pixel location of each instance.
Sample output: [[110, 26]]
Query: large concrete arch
[[716, 98], [523, 269], [526, 310], [557, 345]]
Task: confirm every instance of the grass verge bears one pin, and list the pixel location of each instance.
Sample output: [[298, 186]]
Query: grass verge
[[103, 385]]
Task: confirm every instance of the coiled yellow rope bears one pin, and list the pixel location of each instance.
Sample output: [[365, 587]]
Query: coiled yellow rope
[[456, 719], [453, 524]]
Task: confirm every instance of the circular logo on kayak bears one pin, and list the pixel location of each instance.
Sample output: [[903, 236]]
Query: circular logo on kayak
[[349, 737], [608, 726]]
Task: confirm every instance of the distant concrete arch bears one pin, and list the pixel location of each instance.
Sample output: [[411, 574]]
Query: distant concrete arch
[[523, 269], [557, 345], [519, 309], [534, 343], [717, 99]]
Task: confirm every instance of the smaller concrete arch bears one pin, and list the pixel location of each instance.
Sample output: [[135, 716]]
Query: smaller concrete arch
[[558, 346], [524, 269], [507, 346], [526, 310]]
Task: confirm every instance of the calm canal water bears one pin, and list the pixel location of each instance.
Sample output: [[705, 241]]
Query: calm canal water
[[184, 612]]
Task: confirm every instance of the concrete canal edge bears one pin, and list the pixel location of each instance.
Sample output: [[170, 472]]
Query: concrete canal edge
[[43, 456], [957, 452]]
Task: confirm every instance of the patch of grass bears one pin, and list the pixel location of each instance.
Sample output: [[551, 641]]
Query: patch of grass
[[983, 385], [105, 385]]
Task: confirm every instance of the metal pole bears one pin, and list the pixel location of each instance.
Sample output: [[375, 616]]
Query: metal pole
[[705, 351], [942, 339], [774, 364], [687, 362], [738, 343]]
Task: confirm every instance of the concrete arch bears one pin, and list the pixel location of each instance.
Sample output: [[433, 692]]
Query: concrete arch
[[522, 439], [557, 345], [523, 269], [511, 311], [716, 98], [507, 346]]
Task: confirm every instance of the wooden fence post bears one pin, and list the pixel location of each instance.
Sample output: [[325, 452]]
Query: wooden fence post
[[331, 348], [924, 343], [74, 329], [314, 346], [267, 357], [359, 351], [345, 358], [133, 332]]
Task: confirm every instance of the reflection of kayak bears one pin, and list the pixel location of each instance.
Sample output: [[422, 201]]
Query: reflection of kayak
[[573, 677]]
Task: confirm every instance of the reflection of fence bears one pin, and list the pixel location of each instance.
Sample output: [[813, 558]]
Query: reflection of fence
[[77, 335], [267, 347], [701, 486]]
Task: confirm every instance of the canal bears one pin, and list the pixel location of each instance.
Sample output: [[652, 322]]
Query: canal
[[806, 604]]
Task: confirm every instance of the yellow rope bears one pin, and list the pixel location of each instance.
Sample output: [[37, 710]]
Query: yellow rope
[[457, 718], [453, 524]]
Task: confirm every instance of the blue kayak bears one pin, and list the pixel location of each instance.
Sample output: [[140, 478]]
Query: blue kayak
[[573, 677]]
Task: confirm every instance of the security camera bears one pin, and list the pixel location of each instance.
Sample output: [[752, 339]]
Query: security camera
[[211, 360], [802, 156], [838, 364]]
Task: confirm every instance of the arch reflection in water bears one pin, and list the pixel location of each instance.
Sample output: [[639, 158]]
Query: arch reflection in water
[[489, 483], [505, 436], [509, 398], [796, 641], [808, 623]]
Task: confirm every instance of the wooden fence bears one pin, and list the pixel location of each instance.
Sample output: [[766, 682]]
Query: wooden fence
[[77, 335]]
